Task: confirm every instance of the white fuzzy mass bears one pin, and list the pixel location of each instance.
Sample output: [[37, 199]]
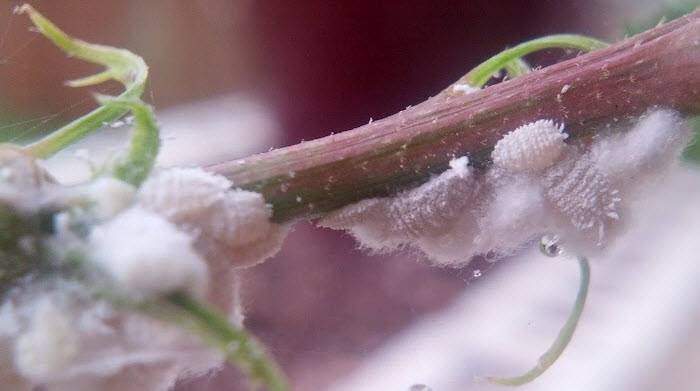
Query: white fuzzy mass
[[537, 185], [58, 338], [48, 345], [145, 253], [183, 230]]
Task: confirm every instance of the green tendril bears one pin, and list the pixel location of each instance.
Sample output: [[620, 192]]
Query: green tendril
[[240, 348], [121, 65], [510, 59], [562, 341], [517, 67], [135, 166]]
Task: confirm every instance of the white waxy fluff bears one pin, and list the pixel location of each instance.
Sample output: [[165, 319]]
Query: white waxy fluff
[[463, 88], [231, 225], [429, 210], [531, 147], [62, 339], [512, 217], [110, 196], [20, 170], [145, 253], [538, 185], [648, 148], [48, 346]]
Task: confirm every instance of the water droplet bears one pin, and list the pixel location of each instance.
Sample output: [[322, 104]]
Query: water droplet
[[419, 387], [550, 245], [476, 273]]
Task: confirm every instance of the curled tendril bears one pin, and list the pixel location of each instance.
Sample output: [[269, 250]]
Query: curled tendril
[[511, 59], [135, 166], [120, 65], [549, 357]]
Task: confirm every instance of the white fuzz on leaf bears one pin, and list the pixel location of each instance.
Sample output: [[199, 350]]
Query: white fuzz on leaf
[[144, 252], [537, 185]]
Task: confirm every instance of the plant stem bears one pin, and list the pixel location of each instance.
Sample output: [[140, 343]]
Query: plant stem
[[605, 87], [240, 348]]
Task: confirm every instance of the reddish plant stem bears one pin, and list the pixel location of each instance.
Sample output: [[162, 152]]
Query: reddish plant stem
[[588, 94]]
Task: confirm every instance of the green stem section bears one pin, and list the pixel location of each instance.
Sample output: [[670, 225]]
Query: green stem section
[[565, 334], [508, 58], [240, 348], [136, 165], [121, 65], [517, 67]]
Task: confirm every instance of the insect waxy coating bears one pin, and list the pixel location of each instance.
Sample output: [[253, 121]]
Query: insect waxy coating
[[531, 147]]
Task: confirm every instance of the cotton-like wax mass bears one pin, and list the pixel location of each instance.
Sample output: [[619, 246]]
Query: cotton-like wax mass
[[147, 254], [538, 184], [49, 345]]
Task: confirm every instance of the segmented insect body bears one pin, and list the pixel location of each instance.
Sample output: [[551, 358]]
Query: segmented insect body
[[184, 194], [583, 194], [531, 147]]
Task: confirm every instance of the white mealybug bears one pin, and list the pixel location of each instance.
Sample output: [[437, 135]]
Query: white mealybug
[[538, 184], [584, 194], [531, 147], [183, 195], [241, 233], [231, 225], [428, 211]]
